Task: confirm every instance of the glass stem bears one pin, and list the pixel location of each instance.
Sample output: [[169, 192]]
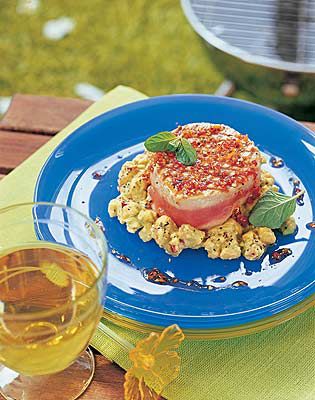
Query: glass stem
[[115, 337]]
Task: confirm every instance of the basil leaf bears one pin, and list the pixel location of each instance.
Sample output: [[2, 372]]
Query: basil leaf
[[273, 209], [173, 145], [167, 141], [159, 142], [185, 153]]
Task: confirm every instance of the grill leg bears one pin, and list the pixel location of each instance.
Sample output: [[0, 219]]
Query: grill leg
[[290, 86]]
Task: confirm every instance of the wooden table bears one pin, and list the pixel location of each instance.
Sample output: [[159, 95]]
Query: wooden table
[[28, 124]]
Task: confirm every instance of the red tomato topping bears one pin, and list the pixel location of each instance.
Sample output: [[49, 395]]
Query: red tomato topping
[[226, 159]]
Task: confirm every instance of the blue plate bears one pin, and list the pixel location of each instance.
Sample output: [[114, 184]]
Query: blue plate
[[208, 295]]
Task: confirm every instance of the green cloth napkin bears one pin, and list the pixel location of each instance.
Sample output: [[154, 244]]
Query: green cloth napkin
[[277, 364]]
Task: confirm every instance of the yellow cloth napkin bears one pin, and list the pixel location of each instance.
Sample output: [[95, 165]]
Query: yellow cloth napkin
[[277, 364]]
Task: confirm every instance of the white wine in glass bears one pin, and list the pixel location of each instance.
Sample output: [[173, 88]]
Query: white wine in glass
[[52, 287]]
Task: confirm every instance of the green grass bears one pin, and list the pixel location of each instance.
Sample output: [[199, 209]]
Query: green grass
[[147, 44], [143, 43]]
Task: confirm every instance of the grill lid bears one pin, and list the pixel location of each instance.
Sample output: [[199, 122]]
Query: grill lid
[[274, 33]]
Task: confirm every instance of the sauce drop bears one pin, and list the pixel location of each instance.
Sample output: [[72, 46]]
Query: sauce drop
[[311, 226], [296, 189], [239, 283], [121, 257], [154, 275], [276, 162], [279, 255], [98, 175]]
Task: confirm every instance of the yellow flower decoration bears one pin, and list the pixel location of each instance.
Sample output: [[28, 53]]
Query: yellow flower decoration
[[156, 364], [136, 389]]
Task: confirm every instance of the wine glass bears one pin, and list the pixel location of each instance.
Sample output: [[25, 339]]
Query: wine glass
[[52, 288]]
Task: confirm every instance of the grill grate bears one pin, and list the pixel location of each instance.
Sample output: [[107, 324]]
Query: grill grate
[[274, 33]]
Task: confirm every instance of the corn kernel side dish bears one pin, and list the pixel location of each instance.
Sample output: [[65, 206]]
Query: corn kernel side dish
[[227, 241]]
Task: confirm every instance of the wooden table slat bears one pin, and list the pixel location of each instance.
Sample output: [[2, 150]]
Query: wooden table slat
[[41, 114], [107, 383], [310, 125], [15, 147]]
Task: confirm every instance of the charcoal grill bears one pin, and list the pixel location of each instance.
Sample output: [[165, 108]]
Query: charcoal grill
[[278, 34]]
